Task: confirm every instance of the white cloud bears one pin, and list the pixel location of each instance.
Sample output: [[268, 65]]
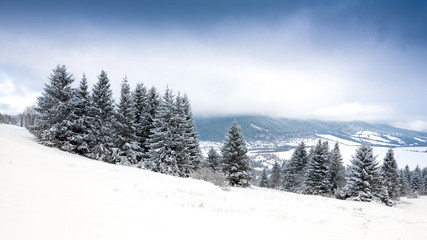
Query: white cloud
[[417, 125], [355, 110]]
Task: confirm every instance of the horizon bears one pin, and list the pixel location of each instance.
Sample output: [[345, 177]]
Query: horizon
[[324, 60]]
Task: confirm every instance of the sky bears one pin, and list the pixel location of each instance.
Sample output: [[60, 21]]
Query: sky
[[339, 60]]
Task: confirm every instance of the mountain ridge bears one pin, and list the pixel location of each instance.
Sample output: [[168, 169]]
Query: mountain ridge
[[272, 130]]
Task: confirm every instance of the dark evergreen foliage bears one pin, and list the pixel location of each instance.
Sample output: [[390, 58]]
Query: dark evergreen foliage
[[317, 179], [263, 181], [213, 161], [363, 174], [235, 161], [390, 176], [336, 170], [275, 176], [293, 175]]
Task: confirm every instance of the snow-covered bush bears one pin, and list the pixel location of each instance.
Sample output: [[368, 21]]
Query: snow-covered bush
[[208, 175]]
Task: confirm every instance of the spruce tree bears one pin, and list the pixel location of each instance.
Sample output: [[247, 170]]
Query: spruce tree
[[263, 181], [295, 169], [363, 174], [336, 170], [140, 118], [417, 180], [103, 118], [390, 176], [54, 108], [213, 160], [275, 176], [192, 143], [82, 134], [317, 179], [127, 150], [404, 180], [152, 108], [235, 160], [182, 142], [162, 141]]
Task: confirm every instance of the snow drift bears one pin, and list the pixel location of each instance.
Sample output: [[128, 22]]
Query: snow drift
[[46, 193]]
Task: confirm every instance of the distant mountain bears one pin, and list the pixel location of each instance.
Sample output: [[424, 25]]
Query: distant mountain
[[284, 131]]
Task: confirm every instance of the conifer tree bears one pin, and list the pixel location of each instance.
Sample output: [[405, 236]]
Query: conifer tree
[[317, 179], [263, 181], [213, 160], [295, 169], [153, 103], [162, 141], [126, 147], [275, 176], [235, 160], [363, 174], [82, 134], [336, 170], [140, 118], [103, 119], [417, 180], [404, 180], [192, 143], [390, 176], [53, 109]]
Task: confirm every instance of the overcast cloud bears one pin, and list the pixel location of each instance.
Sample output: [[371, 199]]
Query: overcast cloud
[[340, 60]]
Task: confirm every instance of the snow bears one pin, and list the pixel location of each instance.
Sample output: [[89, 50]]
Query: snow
[[46, 193], [370, 135], [338, 140], [420, 140]]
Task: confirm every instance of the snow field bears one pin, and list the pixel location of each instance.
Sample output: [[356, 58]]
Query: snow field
[[46, 193]]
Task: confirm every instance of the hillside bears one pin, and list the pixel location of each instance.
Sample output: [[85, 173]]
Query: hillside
[[282, 132], [46, 193]]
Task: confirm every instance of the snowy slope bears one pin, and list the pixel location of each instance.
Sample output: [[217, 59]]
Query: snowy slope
[[49, 194]]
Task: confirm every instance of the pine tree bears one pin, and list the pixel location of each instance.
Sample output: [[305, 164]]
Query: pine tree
[[152, 107], [404, 180], [390, 176], [162, 141], [103, 119], [275, 176], [53, 109], [127, 149], [295, 169], [336, 170], [140, 118], [363, 174], [263, 182], [182, 136], [317, 179], [417, 180], [82, 134], [213, 160], [192, 142], [235, 160]]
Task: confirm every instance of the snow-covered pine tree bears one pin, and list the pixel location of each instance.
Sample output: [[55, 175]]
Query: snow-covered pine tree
[[182, 139], [417, 180], [235, 161], [140, 115], [390, 175], [363, 174], [294, 173], [213, 161], [53, 109], [336, 170], [275, 176], [81, 121], [192, 142], [127, 150], [263, 181], [153, 102], [406, 188], [163, 141], [103, 119], [424, 174], [317, 179]]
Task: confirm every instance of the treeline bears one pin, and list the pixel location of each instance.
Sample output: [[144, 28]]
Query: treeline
[[23, 119], [143, 130], [321, 172]]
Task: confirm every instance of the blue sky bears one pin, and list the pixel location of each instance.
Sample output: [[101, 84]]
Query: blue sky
[[330, 60]]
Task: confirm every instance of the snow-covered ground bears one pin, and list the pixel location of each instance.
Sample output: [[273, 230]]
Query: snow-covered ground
[[46, 193]]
